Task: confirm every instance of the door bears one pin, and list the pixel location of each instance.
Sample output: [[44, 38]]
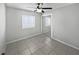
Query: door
[[46, 25]]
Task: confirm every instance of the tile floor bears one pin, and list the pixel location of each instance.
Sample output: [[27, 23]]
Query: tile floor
[[39, 45]]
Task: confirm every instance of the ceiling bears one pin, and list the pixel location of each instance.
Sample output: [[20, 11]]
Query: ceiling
[[32, 6]]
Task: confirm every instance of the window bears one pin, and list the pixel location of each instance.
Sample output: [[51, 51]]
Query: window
[[28, 21], [47, 21]]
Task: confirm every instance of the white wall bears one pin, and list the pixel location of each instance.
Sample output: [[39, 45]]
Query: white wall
[[2, 28], [65, 24], [14, 24]]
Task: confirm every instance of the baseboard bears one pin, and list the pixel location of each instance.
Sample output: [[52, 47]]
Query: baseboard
[[66, 43], [22, 38]]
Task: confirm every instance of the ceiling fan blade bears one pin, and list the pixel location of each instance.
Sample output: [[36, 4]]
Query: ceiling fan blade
[[46, 8], [38, 3], [42, 11]]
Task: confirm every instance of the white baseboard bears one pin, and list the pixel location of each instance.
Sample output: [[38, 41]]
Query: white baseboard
[[66, 43], [22, 38]]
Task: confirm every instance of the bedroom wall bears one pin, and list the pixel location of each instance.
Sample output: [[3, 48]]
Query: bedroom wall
[[14, 24], [65, 24], [2, 27]]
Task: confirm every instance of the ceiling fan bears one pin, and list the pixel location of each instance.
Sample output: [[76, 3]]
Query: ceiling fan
[[41, 9]]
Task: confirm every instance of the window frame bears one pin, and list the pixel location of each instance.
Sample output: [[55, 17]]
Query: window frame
[[26, 26]]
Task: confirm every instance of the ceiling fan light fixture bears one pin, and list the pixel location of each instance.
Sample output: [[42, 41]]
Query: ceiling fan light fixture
[[39, 10]]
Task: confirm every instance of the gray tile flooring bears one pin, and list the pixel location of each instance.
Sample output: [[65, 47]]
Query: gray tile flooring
[[39, 45]]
